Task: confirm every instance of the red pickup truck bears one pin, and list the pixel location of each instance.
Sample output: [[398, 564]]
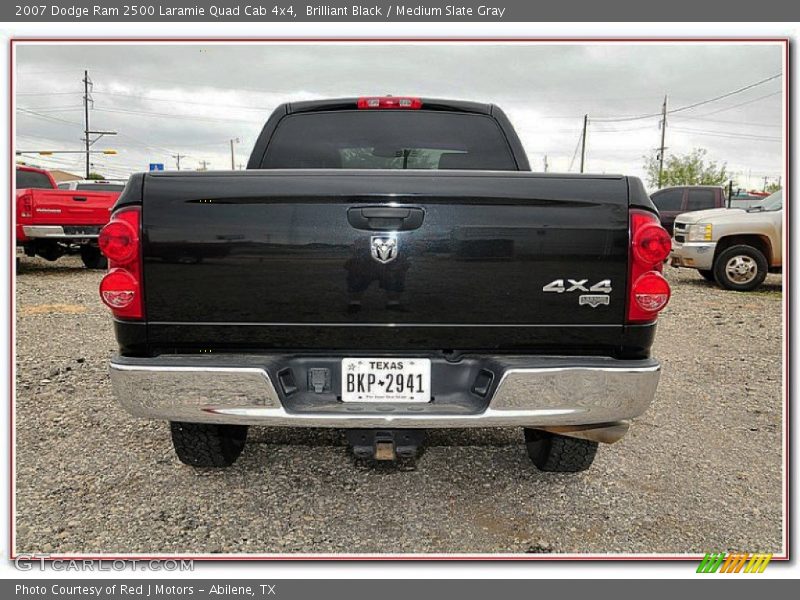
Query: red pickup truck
[[52, 222]]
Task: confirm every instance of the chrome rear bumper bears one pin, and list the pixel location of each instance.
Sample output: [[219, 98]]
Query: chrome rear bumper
[[59, 232], [235, 389]]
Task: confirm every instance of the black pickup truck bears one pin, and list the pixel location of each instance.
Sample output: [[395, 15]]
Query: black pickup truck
[[385, 266]]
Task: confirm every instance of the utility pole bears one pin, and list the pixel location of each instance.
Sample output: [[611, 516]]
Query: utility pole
[[86, 118], [87, 99], [545, 163], [204, 165], [764, 189], [583, 141], [178, 158], [233, 158], [663, 136]]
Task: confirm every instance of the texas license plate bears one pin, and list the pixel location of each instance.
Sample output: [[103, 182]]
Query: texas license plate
[[386, 380]]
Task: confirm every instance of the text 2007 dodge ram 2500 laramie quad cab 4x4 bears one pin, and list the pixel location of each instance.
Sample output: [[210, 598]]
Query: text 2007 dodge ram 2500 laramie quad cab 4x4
[[386, 266]]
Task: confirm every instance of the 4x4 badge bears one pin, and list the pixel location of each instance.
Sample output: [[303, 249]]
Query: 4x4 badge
[[383, 248], [578, 285], [598, 292]]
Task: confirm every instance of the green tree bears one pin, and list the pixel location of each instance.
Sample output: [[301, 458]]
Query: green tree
[[773, 187], [686, 169], [94, 175]]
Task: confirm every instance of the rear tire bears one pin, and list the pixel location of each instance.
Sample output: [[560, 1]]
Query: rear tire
[[208, 445], [708, 275], [740, 268], [92, 258], [49, 250], [557, 453]]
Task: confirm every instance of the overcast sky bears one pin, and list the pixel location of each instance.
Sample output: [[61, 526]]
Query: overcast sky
[[192, 99]]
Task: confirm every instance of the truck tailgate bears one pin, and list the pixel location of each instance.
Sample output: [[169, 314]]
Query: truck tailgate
[[286, 258], [72, 207]]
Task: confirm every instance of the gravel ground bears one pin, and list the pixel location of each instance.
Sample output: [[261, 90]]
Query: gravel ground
[[700, 471]]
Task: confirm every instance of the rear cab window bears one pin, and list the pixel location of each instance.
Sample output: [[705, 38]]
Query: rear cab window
[[32, 179], [385, 139], [701, 200], [100, 187], [668, 200]]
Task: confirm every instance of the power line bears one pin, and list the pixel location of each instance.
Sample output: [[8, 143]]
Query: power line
[[131, 141], [48, 93], [41, 137], [177, 82], [714, 112], [726, 95], [24, 72], [174, 101], [60, 162], [739, 136], [729, 121], [192, 117], [625, 130], [690, 106], [142, 144], [47, 117], [729, 133], [145, 113], [64, 108]]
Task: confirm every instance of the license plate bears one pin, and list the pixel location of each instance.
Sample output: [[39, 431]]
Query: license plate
[[386, 380]]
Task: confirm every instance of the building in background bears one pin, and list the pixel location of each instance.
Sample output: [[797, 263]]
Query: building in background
[[61, 176]]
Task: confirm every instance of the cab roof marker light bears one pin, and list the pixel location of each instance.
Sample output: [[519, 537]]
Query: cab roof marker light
[[389, 102]]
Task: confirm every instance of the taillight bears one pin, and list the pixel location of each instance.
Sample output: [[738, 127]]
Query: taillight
[[27, 205], [648, 291], [121, 288], [118, 241], [651, 244], [390, 102]]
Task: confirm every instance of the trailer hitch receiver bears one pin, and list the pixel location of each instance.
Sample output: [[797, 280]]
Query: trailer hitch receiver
[[385, 444]]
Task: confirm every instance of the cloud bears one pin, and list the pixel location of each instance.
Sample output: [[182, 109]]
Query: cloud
[[192, 99]]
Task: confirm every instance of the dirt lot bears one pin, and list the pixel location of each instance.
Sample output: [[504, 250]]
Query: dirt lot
[[700, 471]]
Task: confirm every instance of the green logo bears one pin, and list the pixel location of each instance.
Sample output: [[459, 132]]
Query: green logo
[[735, 562]]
